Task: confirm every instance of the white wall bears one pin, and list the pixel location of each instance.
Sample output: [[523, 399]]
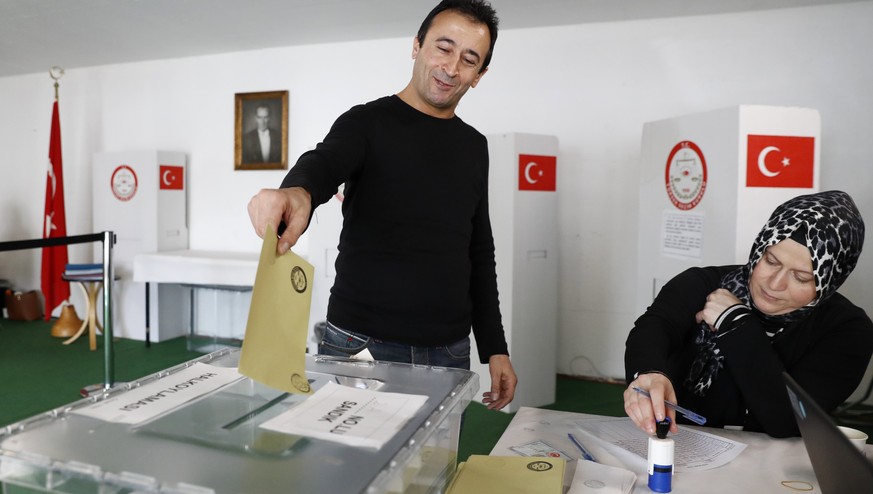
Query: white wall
[[593, 86]]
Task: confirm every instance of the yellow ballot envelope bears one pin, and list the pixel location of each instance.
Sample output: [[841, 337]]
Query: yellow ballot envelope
[[274, 347], [482, 474]]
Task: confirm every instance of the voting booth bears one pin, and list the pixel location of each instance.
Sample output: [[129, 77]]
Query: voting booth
[[524, 218], [215, 443], [141, 196], [709, 182]]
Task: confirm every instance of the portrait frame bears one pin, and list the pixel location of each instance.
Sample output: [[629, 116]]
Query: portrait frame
[[247, 150]]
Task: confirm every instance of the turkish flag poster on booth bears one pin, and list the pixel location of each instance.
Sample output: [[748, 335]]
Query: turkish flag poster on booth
[[780, 161], [537, 172], [172, 177]]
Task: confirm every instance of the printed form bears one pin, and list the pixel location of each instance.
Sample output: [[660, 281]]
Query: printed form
[[695, 450]]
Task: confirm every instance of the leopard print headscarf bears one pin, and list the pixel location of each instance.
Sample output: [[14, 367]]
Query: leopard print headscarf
[[834, 232]]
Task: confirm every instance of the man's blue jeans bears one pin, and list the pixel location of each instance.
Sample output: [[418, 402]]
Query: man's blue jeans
[[340, 342]]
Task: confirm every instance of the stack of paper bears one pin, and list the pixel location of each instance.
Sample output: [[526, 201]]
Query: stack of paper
[[482, 474]]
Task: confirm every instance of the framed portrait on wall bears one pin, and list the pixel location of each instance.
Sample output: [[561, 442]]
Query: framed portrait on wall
[[261, 131]]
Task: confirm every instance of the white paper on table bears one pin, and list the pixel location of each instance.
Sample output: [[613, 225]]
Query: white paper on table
[[150, 400], [352, 416], [597, 478], [694, 450], [542, 449]]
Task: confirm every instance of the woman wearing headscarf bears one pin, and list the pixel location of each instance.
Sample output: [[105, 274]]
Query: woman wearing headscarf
[[717, 339]]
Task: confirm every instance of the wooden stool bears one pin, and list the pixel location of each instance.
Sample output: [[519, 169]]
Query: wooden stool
[[91, 286]]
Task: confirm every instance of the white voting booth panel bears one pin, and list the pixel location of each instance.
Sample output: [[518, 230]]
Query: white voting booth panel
[[141, 196], [523, 207], [709, 181]]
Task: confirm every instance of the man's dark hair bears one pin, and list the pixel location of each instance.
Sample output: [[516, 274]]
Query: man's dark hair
[[477, 10]]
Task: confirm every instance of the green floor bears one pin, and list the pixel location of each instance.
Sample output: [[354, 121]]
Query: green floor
[[38, 372]]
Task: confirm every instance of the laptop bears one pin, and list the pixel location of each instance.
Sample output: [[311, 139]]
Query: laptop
[[837, 463]]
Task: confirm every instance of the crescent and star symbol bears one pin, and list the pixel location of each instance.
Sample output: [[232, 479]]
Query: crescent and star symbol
[[49, 219], [527, 170], [165, 178], [49, 225], [51, 174], [762, 165]]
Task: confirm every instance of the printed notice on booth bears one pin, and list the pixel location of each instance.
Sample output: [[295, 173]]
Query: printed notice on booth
[[352, 416], [682, 235], [152, 399]]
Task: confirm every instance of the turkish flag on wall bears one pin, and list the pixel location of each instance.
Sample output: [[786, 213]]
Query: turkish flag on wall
[[54, 259], [172, 177], [537, 172], [780, 161]]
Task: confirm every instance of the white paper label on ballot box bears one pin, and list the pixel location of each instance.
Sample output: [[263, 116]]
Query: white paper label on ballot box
[[149, 401], [356, 417]]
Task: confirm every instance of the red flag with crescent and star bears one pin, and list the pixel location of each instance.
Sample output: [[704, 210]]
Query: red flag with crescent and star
[[54, 259], [172, 177], [537, 172], [780, 161]]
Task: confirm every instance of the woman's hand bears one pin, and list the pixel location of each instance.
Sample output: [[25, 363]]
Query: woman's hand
[[644, 412], [716, 303]]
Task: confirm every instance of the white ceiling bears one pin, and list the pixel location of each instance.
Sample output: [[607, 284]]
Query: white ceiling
[[38, 34]]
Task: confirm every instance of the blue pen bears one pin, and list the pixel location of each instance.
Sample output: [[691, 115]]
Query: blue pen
[[694, 417], [585, 453]]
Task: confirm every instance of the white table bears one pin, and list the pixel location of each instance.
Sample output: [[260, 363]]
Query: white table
[[196, 267], [761, 467], [207, 269]]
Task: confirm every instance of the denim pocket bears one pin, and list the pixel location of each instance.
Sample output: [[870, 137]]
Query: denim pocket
[[459, 350], [339, 342]]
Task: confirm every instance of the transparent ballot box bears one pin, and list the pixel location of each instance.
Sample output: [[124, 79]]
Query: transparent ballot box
[[213, 443]]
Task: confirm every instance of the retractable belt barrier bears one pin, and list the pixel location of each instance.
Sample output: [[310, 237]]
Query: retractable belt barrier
[[108, 239]]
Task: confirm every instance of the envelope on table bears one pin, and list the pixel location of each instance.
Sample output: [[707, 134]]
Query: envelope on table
[[274, 347], [509, 475]]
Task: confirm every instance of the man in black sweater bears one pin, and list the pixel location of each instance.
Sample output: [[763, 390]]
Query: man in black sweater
[[415, 269]]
